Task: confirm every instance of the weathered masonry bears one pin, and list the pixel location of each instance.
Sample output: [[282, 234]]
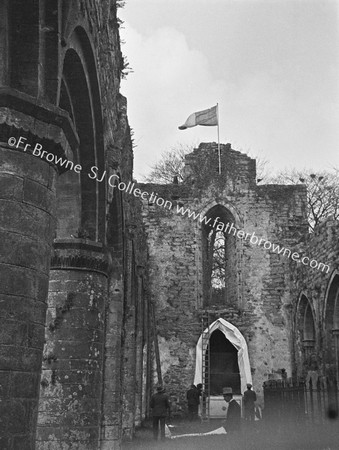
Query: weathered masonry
[[73, 315], [191, 250], [268, 316], [85, 267], [315, 307]]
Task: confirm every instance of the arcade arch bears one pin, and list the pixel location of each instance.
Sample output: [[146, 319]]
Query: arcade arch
[[306, 331], [81, 200]]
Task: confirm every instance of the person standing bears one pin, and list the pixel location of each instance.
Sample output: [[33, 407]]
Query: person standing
[[233, 418], [192, 396], [202, 395], [160, 408], [249, 407]]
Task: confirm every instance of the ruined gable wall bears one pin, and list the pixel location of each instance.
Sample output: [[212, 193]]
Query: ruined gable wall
[[275, 213]]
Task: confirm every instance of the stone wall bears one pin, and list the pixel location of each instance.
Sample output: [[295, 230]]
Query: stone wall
[[317, 287], [136, 322], [71, 385], [61, 66], [98, 259], [27, 204], [260, 306]]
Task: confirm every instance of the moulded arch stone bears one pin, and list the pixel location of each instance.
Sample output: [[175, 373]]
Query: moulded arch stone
[[304, 297], [331, 325], [228, 206], [334, 274], [80, 93], [302, 304]]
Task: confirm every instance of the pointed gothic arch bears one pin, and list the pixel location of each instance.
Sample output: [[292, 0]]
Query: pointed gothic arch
[[306, 334], [81, 205], [236, 339]]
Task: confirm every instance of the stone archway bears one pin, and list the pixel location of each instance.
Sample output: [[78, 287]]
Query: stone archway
[[234, 369], [305, 333], [233, 335]]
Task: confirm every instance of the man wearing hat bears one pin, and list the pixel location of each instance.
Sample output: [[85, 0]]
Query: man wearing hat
[[160, 407], [249, 407], [233, 417]]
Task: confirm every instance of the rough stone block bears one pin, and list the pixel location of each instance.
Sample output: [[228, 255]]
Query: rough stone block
[[10, 187], [23, 251]]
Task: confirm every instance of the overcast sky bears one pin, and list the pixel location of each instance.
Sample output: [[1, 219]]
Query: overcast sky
[[273, 67]]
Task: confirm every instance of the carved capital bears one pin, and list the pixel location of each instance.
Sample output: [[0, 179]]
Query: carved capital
[[79, 254]]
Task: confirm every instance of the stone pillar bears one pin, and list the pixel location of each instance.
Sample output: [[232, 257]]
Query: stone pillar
[[129, 376], [111, 409], [129, 347], [335, 333], [27, 224], [139, 353], [72, 376]]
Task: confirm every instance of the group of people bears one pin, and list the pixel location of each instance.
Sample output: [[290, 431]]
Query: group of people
[[233, 418], [161, 407]]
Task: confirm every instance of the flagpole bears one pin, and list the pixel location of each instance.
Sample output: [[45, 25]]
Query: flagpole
[[218, 140]]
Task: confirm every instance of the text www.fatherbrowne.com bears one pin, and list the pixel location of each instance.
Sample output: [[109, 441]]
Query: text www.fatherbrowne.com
[[253, 238], [153, 198]]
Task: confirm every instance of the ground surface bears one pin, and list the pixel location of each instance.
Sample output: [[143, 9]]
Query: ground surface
[[259, 437]]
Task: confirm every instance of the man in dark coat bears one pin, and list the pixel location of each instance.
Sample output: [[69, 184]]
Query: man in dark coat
[[233, 418], [192, 396], [160, 407], [249, 407], [203, 396]]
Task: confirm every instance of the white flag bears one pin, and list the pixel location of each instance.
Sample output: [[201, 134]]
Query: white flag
[[207, 118]]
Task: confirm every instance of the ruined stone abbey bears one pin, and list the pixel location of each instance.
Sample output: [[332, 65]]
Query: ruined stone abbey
[[104, 291]]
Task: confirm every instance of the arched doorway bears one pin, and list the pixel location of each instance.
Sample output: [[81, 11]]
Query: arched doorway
[[229, 363]]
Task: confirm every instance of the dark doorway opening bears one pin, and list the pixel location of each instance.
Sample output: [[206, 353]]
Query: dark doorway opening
[[224, 368]]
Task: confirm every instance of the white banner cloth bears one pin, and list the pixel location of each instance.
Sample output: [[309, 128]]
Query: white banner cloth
[[237, 339]]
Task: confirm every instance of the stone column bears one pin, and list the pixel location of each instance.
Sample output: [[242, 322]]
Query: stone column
[[335, 333], [139, 352], [129, 347], [72, 376], [27, 224], [111, 408]]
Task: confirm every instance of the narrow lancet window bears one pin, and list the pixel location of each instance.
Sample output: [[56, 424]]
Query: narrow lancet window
[[219, 258], [218, 242]]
